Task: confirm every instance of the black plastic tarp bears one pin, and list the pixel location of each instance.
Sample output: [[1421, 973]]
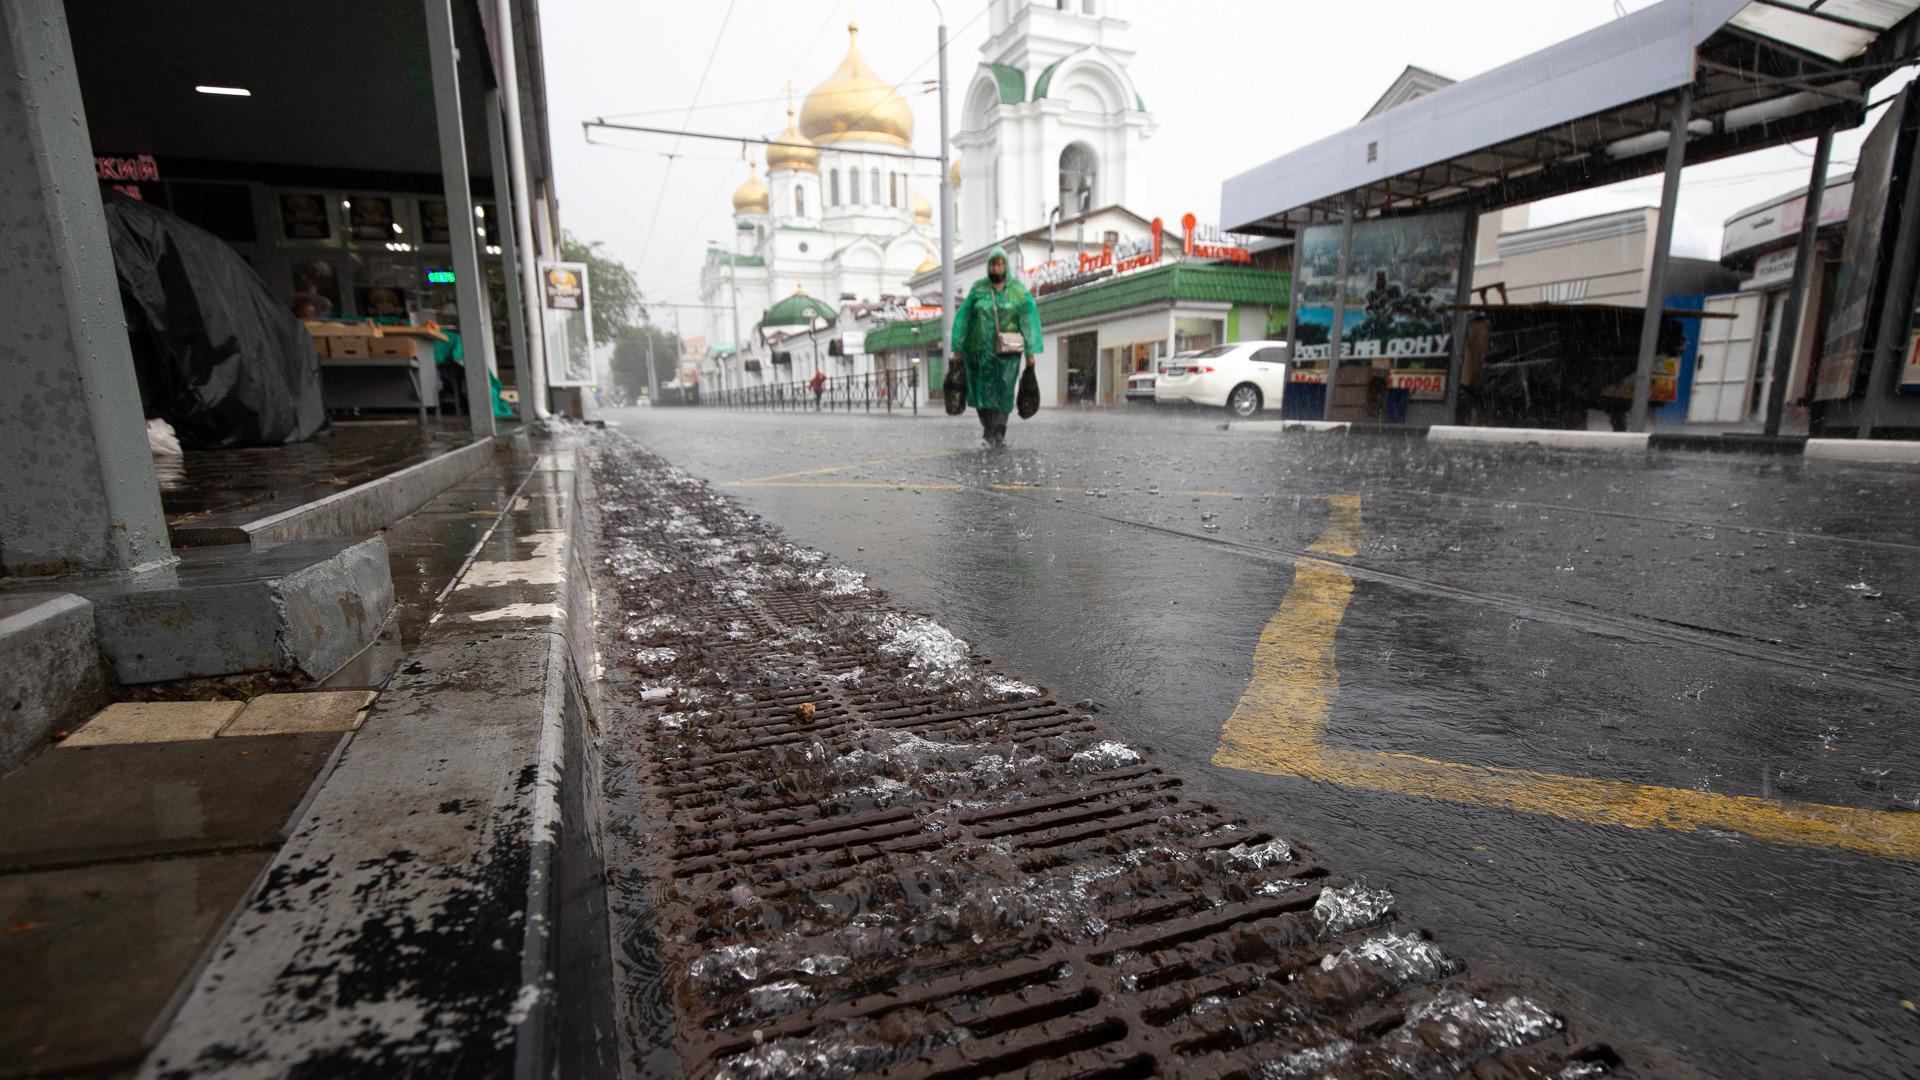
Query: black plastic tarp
[[218, 357]]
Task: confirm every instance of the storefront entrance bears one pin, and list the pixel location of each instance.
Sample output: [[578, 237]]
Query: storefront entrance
[[1082, 352]]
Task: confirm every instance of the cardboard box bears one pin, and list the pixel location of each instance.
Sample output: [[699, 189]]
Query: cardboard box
[[393, 346], [344, 347]]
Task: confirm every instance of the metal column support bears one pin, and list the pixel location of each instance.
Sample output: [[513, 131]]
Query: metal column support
[[502, 227], [78, 492], [469, 281], [1463, 293], [1336, 333], [1788, 340], [1657, 266], [533, 379]]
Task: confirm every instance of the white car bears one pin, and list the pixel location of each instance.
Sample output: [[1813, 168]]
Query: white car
[[1244, 377]]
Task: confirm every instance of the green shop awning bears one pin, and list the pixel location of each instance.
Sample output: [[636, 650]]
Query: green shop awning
[[1168, 284], [922, 334]]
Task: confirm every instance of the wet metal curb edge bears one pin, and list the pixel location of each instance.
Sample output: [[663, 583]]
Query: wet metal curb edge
[[415, 922], [1881, 451]]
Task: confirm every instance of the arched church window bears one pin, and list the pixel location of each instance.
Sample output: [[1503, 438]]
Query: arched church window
[[876, 187], [893, 190], [1079, 178], [1088, 7], [833, 183], [799, 201], [853, 186]]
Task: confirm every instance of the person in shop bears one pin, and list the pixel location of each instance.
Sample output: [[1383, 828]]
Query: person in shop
[[996, 329]]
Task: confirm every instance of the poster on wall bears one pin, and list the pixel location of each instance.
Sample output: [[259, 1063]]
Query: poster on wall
[[1402, 281], [566, 313], [434, 227], [1857, 288], [303, 216], [370, 217]]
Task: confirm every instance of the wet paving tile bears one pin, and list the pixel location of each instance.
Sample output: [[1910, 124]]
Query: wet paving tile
[[93, 955], [287, 714], [83, 804], [153, 722]]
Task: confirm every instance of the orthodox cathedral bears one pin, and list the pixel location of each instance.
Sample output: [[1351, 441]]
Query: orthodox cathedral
[[1048, 121]]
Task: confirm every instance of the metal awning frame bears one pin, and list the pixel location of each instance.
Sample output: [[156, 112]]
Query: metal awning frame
[[1733, 69]]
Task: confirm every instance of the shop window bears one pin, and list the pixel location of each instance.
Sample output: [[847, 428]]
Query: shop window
[[833, 185], [1079, 176], [1189, 333]]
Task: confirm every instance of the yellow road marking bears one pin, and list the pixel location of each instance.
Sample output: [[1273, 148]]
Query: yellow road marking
[[1278, 725], [855, 485]]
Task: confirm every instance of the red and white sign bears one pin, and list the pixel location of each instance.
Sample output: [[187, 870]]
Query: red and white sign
[[1421, 384]]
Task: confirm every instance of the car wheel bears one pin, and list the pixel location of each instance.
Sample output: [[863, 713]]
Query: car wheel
[[1244, 400]]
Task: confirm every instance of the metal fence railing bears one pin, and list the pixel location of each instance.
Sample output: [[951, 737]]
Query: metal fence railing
[[874, 390]]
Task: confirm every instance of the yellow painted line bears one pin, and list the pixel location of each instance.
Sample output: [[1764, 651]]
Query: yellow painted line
[[1081, 490], [843, 468], [1279, 723]]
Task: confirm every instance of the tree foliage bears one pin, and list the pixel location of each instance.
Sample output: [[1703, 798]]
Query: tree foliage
[[630, 358], [618, 305]]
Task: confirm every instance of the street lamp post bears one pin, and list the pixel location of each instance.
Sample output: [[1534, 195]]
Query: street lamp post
[[946, 200]]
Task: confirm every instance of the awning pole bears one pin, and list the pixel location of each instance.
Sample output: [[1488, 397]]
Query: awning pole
[[469, 281], [1334, 334], [1788, 341], [1657, 266]]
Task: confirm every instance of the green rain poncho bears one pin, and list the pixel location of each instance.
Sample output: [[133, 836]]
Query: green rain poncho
[[991, 379]]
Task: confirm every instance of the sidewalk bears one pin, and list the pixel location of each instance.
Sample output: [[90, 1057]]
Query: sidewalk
[[1893, 451], [125, 850]]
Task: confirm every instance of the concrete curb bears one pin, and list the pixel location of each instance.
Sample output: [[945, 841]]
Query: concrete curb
[[1881, 451], [50, 671], [358, 511], [413, 922]]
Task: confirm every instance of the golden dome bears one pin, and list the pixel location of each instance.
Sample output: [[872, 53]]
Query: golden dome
[[927, 266], [953, 174], [752, 197], [856, 104], [922, 209], [798, 158]]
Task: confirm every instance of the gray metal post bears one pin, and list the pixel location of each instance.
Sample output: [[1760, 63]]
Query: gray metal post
[[1896, 308], [502, 227], [78, 492], [1785, 346], [469, 286], [1337, 332], [653, 391], [1657, 266], [946, 206], [533, 378], [1463, 295]]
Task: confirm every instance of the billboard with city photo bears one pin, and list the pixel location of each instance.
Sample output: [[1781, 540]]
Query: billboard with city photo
[[1402, 282]]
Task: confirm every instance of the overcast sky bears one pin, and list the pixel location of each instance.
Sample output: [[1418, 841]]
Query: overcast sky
[[1231, 84]]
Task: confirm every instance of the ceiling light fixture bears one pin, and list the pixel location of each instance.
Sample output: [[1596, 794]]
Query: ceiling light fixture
[[225, 91]]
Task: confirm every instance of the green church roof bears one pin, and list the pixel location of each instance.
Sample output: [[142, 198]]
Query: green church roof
[[1013, 83], [796, 310]]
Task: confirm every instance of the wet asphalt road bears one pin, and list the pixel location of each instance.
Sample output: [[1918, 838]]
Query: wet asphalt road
[[1653, 627]]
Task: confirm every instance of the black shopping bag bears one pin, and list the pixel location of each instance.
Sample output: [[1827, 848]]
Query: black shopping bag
[[1027, 398], [956, 387]]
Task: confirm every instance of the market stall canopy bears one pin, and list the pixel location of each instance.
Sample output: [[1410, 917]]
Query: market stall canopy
[[1593, 110]]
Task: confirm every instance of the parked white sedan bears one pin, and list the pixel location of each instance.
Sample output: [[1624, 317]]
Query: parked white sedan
[[1245, 377]]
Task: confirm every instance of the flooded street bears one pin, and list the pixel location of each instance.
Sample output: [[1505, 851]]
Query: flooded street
[[1635, 726]]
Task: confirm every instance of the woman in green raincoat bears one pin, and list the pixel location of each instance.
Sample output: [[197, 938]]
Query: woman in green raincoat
[[996, 328]]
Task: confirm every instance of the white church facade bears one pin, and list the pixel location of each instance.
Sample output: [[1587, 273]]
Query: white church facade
[[842, 231]]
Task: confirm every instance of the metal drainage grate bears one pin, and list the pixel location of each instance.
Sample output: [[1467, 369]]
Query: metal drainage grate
[[941, 873]]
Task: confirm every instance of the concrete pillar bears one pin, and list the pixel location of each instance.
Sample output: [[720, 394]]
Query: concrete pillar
[[77, 493], [1463, 295], [503, 196], [1657, 266], [469, 277]]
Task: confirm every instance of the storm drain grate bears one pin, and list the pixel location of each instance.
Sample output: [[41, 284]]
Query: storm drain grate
[[869, 853]]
